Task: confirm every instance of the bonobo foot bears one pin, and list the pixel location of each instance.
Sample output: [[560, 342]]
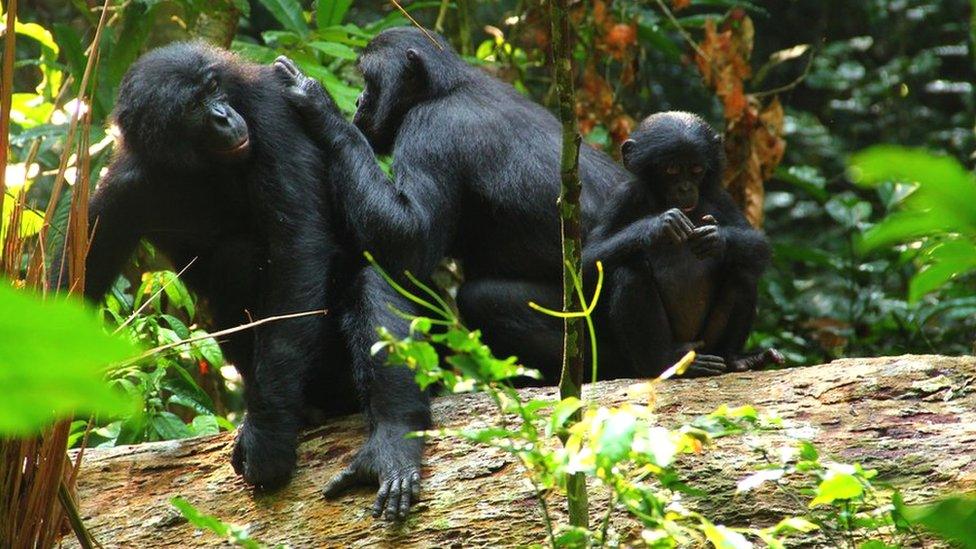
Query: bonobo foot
[[758, 361], [390, 460], [265, 454]]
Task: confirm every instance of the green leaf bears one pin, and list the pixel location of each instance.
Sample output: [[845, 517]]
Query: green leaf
[[244, 7], [169, 426], [616, 437], [945, 261], [288, 13], [837, 485], [722, 537], [204, 425], [233, 534], [952, 518], [331, 12], [52, 359], [334, 49], [561, 412]]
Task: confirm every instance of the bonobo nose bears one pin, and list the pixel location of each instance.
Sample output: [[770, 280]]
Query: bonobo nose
[[219, 114]]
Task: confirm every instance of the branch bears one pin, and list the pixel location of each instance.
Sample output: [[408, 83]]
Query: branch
[[221, 333]]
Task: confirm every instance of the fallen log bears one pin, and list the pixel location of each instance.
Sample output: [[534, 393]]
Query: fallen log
[[911, 417]]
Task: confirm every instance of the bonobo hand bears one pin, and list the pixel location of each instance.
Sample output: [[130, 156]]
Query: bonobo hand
[[707, 240], [305, 93], [391, 460], [672, 226], [265, 454]]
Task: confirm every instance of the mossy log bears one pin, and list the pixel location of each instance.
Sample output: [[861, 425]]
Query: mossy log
[[911, 417]]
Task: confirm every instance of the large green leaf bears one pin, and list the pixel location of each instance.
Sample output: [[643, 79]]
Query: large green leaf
[[953, 518], [52, 359], [288, 13], [331, 12]]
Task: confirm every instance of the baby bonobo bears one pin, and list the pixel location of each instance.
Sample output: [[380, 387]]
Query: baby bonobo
[[681, 261]]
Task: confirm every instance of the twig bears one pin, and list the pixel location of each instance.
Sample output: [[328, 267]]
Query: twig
[[215, 335], [418, 25], [793, 84], [681, 30], [152, 297], [74, 518]]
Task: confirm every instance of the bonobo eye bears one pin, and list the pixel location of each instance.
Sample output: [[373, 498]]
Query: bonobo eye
[[671, 169], [697, 169], [212, 85]]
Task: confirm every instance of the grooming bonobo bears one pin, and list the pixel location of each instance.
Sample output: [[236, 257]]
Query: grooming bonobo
[[681, 261]]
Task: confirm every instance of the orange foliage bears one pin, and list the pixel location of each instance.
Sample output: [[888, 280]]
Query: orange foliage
[[595, 103], [678, 5], [754, 143]]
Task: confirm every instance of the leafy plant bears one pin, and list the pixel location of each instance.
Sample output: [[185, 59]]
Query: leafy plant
[[53, 356], [935, 198]]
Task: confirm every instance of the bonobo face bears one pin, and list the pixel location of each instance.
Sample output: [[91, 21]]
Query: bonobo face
[[394, 82], [678, 180], [220, 129], [176, 108], [676, 155]]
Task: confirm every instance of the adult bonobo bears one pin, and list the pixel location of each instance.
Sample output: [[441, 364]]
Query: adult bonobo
[[213, 165], [682, 262], [476, 177]]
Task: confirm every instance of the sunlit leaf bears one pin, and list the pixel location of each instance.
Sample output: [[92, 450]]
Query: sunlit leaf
[[52, 360]]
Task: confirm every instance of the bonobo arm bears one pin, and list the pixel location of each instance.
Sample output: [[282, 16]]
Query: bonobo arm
[[407, 223], [629, 225], [116, 215], [746, 248]]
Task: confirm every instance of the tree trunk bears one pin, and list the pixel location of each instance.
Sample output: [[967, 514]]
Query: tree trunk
[[912, 417]]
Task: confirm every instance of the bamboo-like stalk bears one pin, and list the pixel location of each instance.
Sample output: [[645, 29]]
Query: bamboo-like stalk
[[571, 377], [6, 95]]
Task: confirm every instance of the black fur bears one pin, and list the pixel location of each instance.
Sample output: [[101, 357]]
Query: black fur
[[476, 178], [681, 261], [262, 227]]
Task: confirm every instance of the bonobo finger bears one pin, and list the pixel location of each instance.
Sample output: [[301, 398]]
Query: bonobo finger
[[415, 486], [703, 370], [405, 489], [392, 500], [382, 496], [673, 234], [685, 222], [286, 67], [709, 220], [348, 477]]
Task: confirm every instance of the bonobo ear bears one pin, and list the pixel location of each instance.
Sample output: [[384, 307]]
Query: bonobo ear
[[626, 149], [416, 64]]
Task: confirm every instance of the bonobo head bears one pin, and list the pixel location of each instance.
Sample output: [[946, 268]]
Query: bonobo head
[[174, 111], [678, 155], [401, 68]]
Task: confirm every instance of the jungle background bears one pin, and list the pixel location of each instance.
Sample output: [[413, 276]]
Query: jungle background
[[799, 87]]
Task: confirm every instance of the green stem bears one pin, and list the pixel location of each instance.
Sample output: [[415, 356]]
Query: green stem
[[571, 377]]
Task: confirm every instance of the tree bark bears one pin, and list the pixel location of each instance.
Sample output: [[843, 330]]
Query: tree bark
[[911, 417]]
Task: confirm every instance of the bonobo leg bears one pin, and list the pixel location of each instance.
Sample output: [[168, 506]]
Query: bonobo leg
[[500, 309], [729, 323], [395, 405], [641, 329]]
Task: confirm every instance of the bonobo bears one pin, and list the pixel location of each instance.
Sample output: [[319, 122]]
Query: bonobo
[[476, 168], [214, 167], [681, 261]]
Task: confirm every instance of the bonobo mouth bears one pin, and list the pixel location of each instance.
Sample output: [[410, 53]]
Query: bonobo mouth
[[237, 151], [689, 209]]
